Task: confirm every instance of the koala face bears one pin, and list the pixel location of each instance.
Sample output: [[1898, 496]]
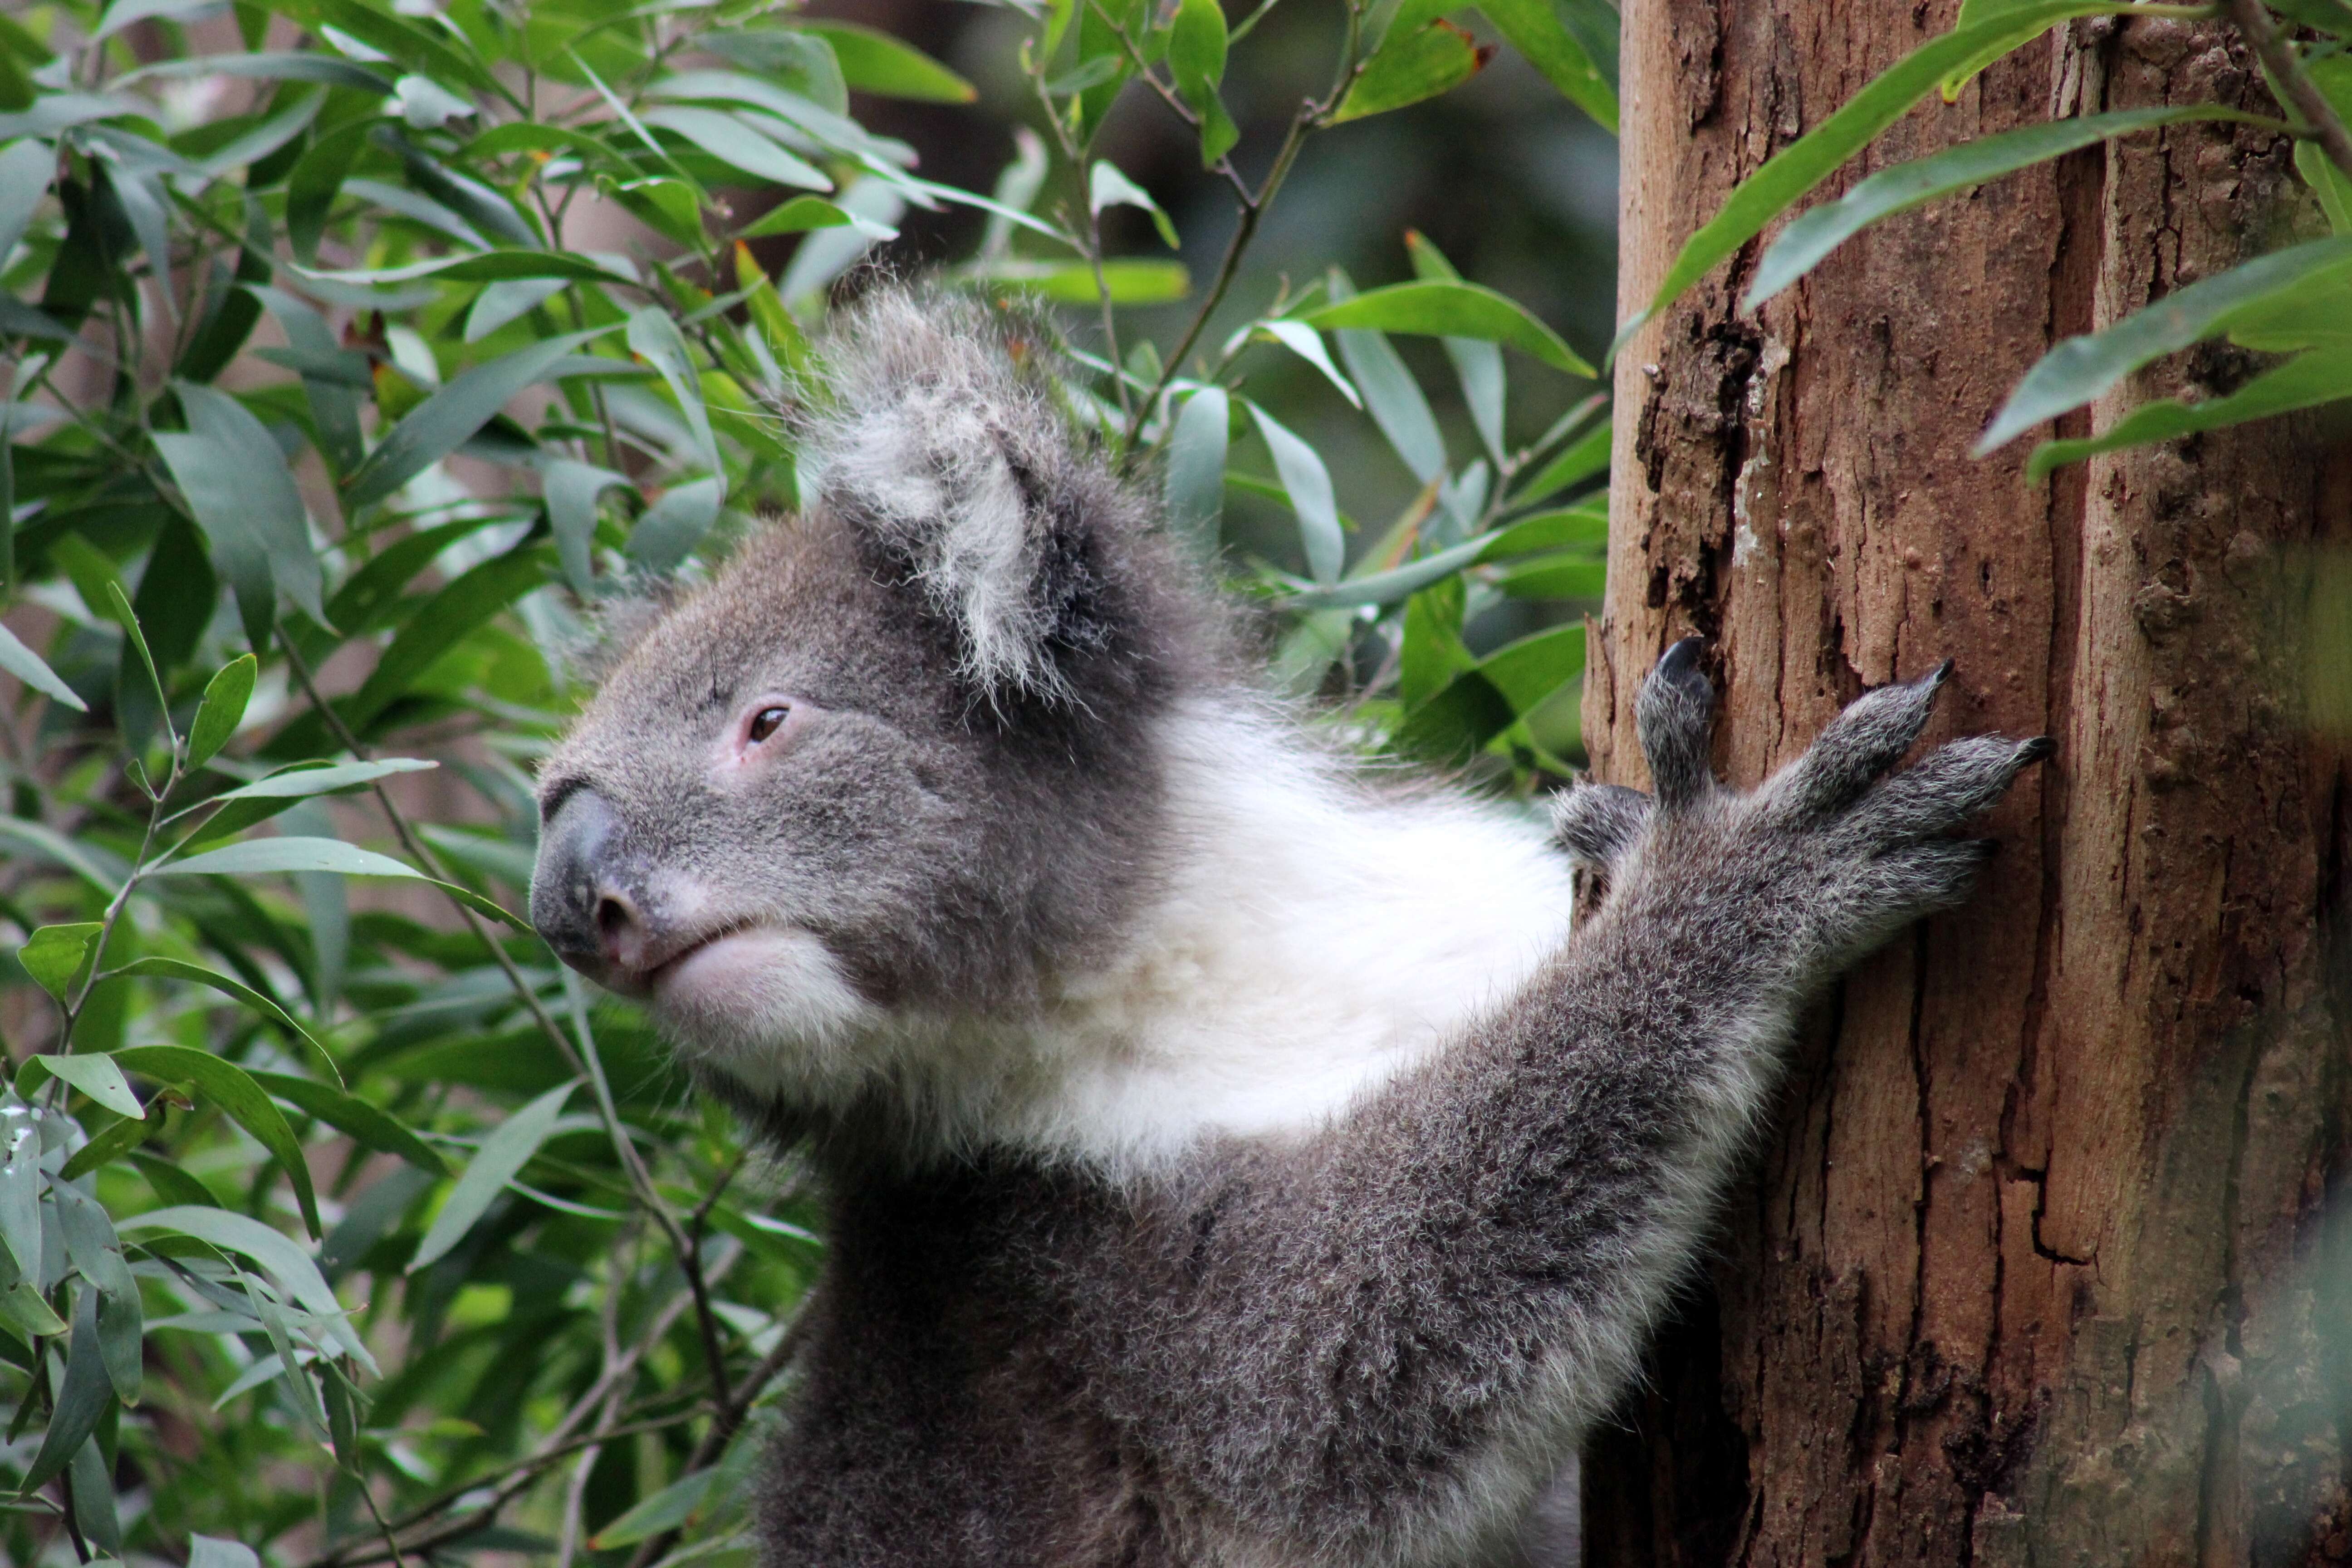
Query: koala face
[[897, 760]]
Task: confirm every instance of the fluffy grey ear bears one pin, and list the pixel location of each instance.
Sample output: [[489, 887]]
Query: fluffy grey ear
[[939, 436]]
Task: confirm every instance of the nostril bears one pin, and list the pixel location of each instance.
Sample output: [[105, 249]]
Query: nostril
[[620, 929]]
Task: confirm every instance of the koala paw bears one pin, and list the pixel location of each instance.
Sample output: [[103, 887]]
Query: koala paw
[[1828, 857]]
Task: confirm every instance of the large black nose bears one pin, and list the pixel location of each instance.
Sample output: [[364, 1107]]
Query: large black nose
[[586, 895]]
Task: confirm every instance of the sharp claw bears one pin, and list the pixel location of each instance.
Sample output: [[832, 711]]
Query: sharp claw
[[2036, 750], [1679, 660], [1937, 677]]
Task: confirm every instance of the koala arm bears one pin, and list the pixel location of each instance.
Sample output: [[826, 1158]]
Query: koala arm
[[1375, 1339]]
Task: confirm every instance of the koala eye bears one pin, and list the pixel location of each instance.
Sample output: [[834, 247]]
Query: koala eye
[[766, 722]]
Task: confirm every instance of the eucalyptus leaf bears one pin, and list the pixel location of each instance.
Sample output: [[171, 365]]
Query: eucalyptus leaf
[[82, 1398], [34, 672], [233, 1089], [1195, 484], [1308, 484], [2081, 368], [92, 1243], [222, 710], [498, 1161], [1445, 308], [160, 968], [54, 955], [434, 428], [95, 1075]]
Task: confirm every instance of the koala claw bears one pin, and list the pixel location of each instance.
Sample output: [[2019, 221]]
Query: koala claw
[[1671, 717]]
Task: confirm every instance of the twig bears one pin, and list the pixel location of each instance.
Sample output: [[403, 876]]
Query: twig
[[2287, 77], [583, 1060], [728, 1422]]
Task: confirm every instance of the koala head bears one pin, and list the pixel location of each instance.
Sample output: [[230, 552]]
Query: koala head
[[896, 759]]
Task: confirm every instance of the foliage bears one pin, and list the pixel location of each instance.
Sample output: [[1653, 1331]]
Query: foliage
[[2290, 302], [337, 1223]]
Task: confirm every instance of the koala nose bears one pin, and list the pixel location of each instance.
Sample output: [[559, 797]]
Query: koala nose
[[583, 897]]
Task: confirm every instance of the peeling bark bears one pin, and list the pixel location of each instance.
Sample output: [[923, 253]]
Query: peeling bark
[[2040, 1265]]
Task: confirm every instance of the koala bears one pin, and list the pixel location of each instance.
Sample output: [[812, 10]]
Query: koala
[[1233, 1156]]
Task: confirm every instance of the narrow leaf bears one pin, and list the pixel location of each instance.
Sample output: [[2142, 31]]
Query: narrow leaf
[[1105, 186], [2081, 368], [2306, 381], [179, 968], [436, 426], [665, 1510], [873, 61], [1307, 344], [348, 1113], [1411, 66], [733, 142], [291, 1266], [1797, 168], [1195, 488], [34, 672], [654, 337], [1442, 308], [1538, 30], [92, 1243], [498, 1161], [222, 710], [233, 1090], [82, 1399], [571, 489], [1308, 484], [295, 784], [1812, 236]]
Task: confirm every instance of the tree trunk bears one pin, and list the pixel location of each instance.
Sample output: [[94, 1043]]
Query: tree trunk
[[2039, 1264]]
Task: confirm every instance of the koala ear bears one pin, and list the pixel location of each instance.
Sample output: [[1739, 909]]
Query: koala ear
[[939, 440]]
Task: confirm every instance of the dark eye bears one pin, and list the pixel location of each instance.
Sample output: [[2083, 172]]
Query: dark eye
[[766, 722]]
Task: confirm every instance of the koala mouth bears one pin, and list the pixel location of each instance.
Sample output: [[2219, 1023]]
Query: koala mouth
[[645, 981]]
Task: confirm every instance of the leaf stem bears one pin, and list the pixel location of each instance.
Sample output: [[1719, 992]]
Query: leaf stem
[[2291, 82]]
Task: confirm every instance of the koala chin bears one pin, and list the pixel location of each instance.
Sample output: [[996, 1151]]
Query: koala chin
[[1233, 1156]]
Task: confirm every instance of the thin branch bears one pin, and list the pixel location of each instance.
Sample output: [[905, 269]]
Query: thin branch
[[2289, 79], [724, 1425], [583, 1060]]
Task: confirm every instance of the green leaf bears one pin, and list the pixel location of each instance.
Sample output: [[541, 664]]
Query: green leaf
[[25, 170], [1538, 30], [296, 1274], [873, 61], [498, 1161], [436, 426], [1195, 485], [570, 489], [1812, 236], [1073, 282], [1307, 344], [2081, 368], [117, 609], [222, 710], [233, 1090], [20, 1185], [179, 968], [1105, 186], [1582, 459], [295, 784], [95, 1075], [315, 180], [801, 214], [654, 337], [1309, 485], [120, 1138], [241, 493], [665, 1510], [1196, 57], [92, 1243], [1441, 308], [1477, 365], [443, 621], [1814, 156], [1573, 574], [269, 64], [1481, 702], [2303, 382], [1411, 66], [482, 266], [667, 531], [82, 1397], [54, 955], [733, 142], [795, 58], [2331, 184], [373, 1127], [1390, 394], [266, 856], [29, 668]]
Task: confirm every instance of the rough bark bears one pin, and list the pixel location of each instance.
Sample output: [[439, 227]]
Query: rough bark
[[2039, 1264]]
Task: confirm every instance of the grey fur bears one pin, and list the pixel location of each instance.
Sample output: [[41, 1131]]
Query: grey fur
[[1365, 1342]]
